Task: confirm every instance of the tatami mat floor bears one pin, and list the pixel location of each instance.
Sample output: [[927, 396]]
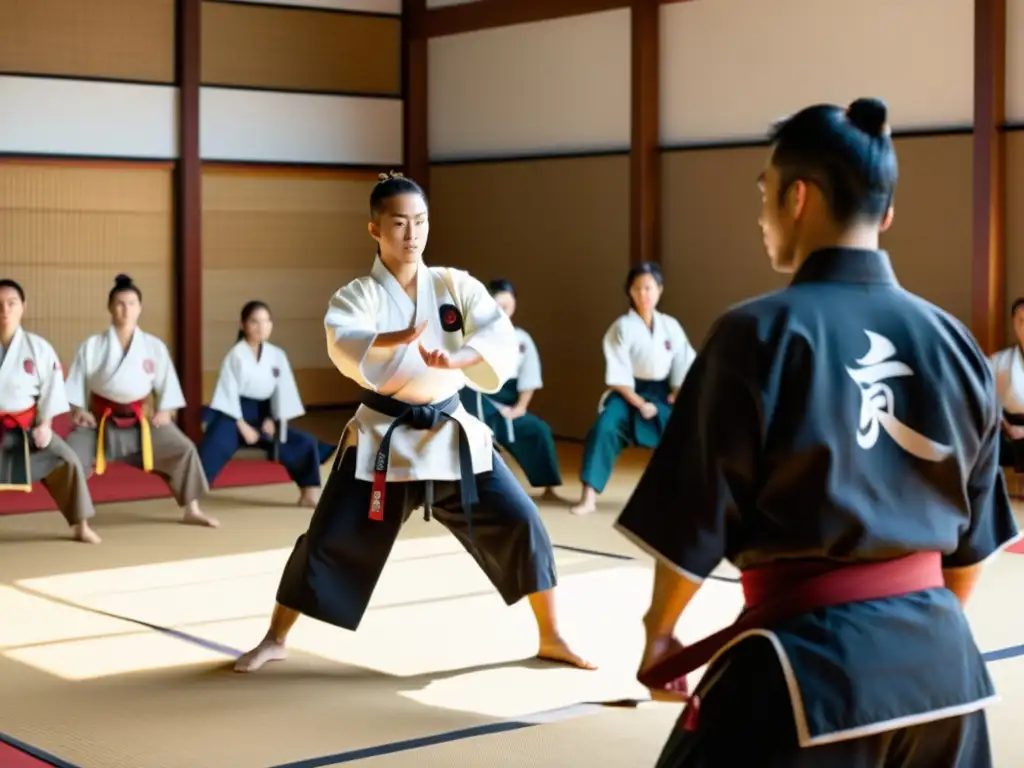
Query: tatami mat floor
[[119, 656]]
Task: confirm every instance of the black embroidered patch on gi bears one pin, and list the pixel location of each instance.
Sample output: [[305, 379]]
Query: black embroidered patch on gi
[[451, 318]]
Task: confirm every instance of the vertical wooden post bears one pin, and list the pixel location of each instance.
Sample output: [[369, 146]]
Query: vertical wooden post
[[988, 258], [415, 146], [188, 260], [644, 156]]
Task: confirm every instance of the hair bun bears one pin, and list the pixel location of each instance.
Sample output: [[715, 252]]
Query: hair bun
[[869, 115], [122, 281]]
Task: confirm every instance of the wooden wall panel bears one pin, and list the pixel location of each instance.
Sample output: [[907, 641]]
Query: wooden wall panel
[[121, 39], [713, 255], [66, 231], [291, 239], [559, 230], [300, 49]]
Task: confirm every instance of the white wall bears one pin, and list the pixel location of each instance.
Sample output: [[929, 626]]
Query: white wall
[[269, 126], [80, 117], [546, 87], [731, 67]]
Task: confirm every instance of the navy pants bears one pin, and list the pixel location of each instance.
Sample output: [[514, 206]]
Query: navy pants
[[301, 455]]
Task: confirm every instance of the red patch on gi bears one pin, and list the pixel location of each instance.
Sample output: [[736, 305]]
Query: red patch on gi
[[668, 345], [30, 366], [149, 366], [451, 319], [276, 372]]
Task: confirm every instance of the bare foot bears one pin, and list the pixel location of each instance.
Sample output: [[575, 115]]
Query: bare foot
[[309, 497], [655, 650], [587, 502], [195, 516], [268, 650], [555, 649], [83, 533], [550, 495]]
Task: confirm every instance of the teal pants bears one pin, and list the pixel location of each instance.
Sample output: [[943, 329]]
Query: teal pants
[[620, 426], [531, 443]]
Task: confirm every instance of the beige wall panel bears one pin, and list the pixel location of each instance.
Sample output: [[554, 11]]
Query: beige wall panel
[[546, 87], [730, 67], [558, 229], [393, 7], [297, 49], [1015, 61], [291, 240], [1014, 223], [66, 231], [124, 39], [713, 254]]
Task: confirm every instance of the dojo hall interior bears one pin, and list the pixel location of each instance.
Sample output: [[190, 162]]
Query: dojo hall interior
[[221, 151]]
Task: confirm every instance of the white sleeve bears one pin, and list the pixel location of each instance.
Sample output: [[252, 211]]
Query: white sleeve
[[286, 404], [529, 377], [351, 327], [166, 385], [618, 367], [53, 399], [683, 355], [226, 394], [488, 331], [75, 386]]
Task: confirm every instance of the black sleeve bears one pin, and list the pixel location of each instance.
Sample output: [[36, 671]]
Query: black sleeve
[[992, 525], [707, 457]]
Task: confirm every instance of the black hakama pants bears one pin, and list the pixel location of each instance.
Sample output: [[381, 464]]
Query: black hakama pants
[[334, 567]]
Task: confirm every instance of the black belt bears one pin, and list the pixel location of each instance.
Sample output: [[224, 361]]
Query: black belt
[[419, 417]]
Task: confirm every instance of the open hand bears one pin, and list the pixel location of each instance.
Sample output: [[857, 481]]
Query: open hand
[[248, 433], [83, 418], [436, 358], [42, 435], [648, 410], [161, 419]]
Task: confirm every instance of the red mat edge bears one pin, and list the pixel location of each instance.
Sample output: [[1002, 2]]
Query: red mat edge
[[12, 756]]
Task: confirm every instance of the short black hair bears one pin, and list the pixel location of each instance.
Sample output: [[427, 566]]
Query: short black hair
[[247, 311], [1017, 304], [391, 185], [847, 153], [8, 283], [501, 285], [123, 283]]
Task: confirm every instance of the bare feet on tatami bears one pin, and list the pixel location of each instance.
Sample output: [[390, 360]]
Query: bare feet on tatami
[[309, 497], [195, 516], [268, 650], [556, 650], [587, 502], [83, 533]]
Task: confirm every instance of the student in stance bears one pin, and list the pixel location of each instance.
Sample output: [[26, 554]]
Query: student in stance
[[1008, 365], [109, 387], [31, 397], [254, 399], [838, 442], [412, 336], [525, 436], [647, 355]]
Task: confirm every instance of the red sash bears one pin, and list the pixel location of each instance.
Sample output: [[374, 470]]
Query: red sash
[[22, 420], [121, 415], [786, 590]]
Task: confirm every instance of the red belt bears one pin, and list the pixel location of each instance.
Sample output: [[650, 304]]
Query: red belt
[[122, 415], [22, 420], [784, 591]]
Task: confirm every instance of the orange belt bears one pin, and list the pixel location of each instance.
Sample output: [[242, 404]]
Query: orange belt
[[122, 415], [23, 420]]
